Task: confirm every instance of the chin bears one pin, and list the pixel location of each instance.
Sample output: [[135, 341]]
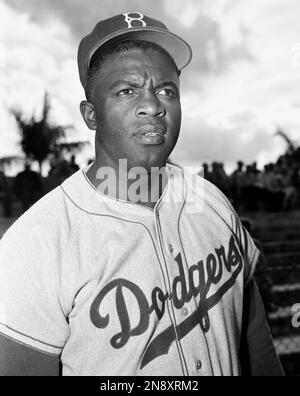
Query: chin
[[154, 163], [147, 159]]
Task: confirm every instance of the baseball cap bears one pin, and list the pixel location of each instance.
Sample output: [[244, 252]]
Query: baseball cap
[[129, 26]]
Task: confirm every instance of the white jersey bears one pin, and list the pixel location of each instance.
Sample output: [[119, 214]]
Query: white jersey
[[115, 288]]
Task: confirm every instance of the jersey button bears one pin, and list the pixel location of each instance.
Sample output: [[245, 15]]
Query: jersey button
[[184, 311], [171, 248], [198, 365]]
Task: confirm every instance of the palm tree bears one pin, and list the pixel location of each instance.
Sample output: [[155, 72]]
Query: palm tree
[[291, 145], [10, 160], [293, 151], [39, 139]]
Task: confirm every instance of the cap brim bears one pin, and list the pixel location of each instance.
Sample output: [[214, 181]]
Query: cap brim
[[174, 45]]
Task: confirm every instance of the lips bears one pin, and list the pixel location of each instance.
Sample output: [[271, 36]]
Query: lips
[[152, 134]]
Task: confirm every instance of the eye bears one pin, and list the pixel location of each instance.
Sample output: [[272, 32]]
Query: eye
[[171, 93], [126, 92]]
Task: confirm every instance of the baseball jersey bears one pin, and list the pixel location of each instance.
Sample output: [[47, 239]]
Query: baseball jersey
[[116, 288]]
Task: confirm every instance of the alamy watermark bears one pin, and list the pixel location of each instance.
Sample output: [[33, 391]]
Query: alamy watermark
[[138, 185], [296, 316]]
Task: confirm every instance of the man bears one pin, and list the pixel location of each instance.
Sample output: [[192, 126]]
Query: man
[[73, 164], [237, 182], [5, 193], [28, 187], [131, 268]]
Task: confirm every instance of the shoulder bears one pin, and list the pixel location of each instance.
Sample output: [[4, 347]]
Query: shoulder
[[51, 214], [206, 193], [216, 212], [43, 214]]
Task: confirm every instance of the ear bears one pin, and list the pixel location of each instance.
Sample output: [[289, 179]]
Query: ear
[[88, 114]]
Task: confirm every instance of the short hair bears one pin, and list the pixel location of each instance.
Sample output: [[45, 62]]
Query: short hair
[[97, 61]]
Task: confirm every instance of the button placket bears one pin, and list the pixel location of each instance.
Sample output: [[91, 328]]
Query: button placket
[[166, 249]]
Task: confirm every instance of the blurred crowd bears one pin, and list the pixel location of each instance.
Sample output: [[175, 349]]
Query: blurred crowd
[[274, 188], [28, 186]]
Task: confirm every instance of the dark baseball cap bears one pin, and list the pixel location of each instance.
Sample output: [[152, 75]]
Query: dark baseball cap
[[130, 26]]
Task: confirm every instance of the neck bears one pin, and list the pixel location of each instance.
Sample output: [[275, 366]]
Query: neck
[[133, 185]]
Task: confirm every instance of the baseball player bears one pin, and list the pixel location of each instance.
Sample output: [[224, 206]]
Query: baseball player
[[100, 278]]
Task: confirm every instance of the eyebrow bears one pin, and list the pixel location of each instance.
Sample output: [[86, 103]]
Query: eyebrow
[[124, 82], [168, 83], [136, 85]]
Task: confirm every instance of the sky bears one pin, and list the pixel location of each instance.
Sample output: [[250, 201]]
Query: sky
[[243, 82]]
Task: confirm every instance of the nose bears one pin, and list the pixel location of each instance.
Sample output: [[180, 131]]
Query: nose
[[150, 106]]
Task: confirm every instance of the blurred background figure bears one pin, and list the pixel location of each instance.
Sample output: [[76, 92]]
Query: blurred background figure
[[220, 178], [289, 181], [73, 164], [237, 185], [28, 187], [272, 182], [249, 198], [60, 170], [5, 194], [206, 172]]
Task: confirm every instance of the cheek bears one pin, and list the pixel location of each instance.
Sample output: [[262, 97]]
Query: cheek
[[109, 121], [175, 116], [114, 132]]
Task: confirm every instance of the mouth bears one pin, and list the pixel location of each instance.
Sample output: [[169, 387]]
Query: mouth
[[152, 135]]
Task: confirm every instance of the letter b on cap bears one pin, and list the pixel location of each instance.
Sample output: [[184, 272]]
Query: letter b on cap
[[129, 18]]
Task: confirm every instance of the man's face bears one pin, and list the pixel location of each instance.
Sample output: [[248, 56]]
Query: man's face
[[137, 107]]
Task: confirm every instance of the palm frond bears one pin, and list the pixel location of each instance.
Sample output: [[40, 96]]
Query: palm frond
[[11, 160], [72, 147], [291, 145], [39, 138]]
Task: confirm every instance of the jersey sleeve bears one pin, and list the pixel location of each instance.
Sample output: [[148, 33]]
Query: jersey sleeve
[[257, 352], [31, 309]]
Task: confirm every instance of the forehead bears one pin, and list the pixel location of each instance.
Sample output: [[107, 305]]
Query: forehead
[[138, 62]]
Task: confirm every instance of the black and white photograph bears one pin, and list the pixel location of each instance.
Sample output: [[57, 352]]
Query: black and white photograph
[[149, 191]]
